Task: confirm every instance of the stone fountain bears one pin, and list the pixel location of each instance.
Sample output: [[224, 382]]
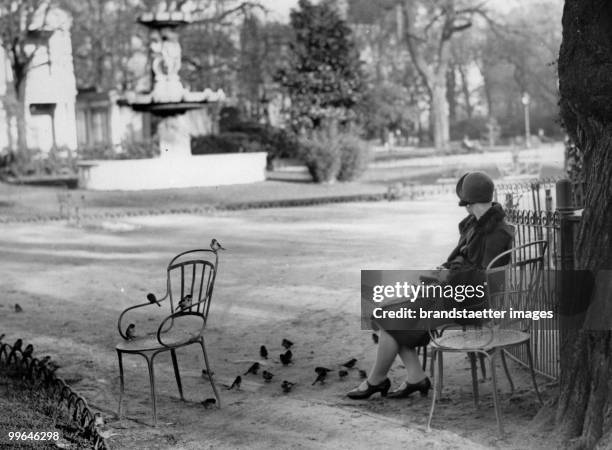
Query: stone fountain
[[169, 100]]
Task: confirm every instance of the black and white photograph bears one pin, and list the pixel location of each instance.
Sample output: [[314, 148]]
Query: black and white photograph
[[306, 224]]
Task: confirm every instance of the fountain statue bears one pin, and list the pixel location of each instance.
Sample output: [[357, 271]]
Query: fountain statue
[[168, 98]]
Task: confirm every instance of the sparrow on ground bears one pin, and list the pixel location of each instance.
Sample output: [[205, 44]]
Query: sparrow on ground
[[205, 373], [253, 369], [286, 357], [321, 370], [152, 299], [216, 245], [267, 376], [350, 363], [320, 378], [236, 383], [287, 386], [342, 373], [2, 336], [363, 373], [18, 308], [17, 345], [287, 344], [209, 402], [263, 352], [130, 332]]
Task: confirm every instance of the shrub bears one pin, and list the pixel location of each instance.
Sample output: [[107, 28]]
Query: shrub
[[248, 137], [128, 150], [354, 157], [322, 158]]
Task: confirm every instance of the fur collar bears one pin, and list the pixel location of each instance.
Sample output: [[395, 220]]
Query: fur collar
[[487, 222]]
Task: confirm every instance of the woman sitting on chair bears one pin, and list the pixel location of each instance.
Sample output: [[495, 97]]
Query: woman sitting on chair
[[483, 235]]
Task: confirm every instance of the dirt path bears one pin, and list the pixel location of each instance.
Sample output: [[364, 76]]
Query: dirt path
[[290, 273]]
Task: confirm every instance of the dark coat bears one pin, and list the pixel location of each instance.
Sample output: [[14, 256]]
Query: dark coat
[[481, 240]]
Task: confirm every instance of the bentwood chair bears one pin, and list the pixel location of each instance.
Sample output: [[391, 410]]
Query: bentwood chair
[[189, 288], [515, 285]]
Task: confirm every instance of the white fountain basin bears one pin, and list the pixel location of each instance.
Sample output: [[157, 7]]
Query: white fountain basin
[[172, 172]]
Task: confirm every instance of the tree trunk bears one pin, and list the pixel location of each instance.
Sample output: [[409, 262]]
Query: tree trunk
[[23, 154], [585, 399], [451, 86], [439, 112]]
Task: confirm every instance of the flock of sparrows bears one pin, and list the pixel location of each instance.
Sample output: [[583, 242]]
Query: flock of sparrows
[[286, 359]]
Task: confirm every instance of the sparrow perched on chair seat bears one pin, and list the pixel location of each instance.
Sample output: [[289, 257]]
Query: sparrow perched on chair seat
[[17, 345], [286, 357], [263, 352], [253, 369], [287, 386], [130, 332], [216, 245], [236, 383], [2, 336], [185, 302], [152, 299], [267, 376]]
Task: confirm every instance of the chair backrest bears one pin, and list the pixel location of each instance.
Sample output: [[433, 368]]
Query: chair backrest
[[515, 287], [190, 283]]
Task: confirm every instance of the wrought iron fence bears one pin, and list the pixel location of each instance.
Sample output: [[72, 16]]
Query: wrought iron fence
[[18, 362], [538, 210]]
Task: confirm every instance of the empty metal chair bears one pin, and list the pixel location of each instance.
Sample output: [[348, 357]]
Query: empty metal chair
[[189, 288]]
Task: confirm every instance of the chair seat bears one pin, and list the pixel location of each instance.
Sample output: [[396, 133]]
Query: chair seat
[[476, 339], [150, 342]]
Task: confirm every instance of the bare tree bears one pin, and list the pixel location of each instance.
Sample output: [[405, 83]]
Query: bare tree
[[428, 29], [22, 33]]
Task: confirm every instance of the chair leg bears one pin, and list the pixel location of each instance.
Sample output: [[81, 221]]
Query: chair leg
[[436, 379], [474, 370], [503, 358], [424, 357], [152, 383], [495, 394], [177, 375], [533, 378], [440, 372], [121, 382], [483, 366], [209, 372]]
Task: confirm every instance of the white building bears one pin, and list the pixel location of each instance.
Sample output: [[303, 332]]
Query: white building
[[50, 88]]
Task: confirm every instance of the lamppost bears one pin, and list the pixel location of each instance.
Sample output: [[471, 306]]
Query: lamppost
[[525, 101]]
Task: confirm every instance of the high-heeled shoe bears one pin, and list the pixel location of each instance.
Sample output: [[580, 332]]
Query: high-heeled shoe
[[383, 388], [422, 386]]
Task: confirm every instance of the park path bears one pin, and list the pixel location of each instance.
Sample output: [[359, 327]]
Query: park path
[[291, 273]]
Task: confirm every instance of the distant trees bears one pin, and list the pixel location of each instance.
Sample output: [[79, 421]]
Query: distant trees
[[23, 33], [323, 75]]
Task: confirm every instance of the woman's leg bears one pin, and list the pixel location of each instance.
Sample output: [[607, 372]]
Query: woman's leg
[[414, 372], [385, 355]]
